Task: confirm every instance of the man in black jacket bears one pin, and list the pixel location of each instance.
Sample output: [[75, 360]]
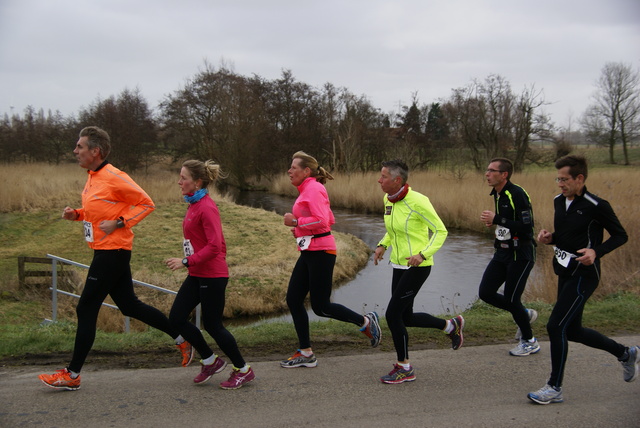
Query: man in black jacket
[[579, 221], [514, 255]]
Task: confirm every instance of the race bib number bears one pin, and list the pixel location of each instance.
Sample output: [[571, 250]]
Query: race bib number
[[88, 231], [503, 233], [187, 248], [563, 257], [304, 242]]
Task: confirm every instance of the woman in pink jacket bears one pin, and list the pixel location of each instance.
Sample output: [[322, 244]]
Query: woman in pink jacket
[[205, 253], [311, 221]]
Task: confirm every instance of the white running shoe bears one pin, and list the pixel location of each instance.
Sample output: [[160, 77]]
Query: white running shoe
[[547, 394], [533, 315], [525, 348]]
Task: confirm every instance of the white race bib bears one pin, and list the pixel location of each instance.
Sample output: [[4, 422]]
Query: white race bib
[[304, 242], [88, 231], [503, 233], [563, 257], [187, 248]]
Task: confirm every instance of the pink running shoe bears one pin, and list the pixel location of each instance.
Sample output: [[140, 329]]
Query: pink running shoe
[[206, 371], [237, 379]]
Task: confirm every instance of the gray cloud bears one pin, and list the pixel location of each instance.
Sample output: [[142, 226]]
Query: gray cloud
[[62, 55]]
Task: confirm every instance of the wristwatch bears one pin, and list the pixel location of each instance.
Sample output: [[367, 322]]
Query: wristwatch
[[185, 262], [120, 223]]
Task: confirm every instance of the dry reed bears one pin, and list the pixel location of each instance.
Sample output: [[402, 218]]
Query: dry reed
[[459, 200]]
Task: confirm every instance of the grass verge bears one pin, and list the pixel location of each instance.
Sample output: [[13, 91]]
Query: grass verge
[[25, 341]]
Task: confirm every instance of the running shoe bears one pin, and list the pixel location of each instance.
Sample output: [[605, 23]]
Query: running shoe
[[299, 360], [632, 365], [533, 315], [208, 370], [372, 330], [237, 379], [545, 395], [456, 336], [61, 379], [187, 352], [525, 348], [399, 375]]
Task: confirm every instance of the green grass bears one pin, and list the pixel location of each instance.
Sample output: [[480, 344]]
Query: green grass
[[261, 253], [24, 334]]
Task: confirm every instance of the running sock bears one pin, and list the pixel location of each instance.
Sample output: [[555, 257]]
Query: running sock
[[366, 323], [306, 353], [179, 340], [73, 375], [243, 369], [449, 327], [405, 366], [210, 360]]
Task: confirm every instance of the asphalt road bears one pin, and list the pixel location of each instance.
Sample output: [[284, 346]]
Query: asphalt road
[[478, 386]]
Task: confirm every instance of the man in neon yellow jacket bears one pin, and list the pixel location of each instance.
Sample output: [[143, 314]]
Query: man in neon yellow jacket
[[415, 233]]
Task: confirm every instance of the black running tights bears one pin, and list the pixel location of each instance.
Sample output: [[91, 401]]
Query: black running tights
[[110, 274], [565, 324], [313, 275], [210, 292], [404, 287], [514, 275]]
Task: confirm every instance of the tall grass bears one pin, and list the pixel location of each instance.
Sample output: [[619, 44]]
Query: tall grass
[[36, 186], [459, 199], [261, 251]]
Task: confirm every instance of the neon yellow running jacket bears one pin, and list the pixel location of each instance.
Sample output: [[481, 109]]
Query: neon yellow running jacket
[[413, 227]]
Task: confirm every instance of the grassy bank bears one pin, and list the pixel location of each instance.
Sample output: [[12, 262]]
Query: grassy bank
[[261, 255], [24, 341]]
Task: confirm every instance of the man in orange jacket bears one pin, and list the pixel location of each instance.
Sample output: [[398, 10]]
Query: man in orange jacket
[[112, 203]]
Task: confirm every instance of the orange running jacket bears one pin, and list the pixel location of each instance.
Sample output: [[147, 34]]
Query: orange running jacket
[[108, 195]]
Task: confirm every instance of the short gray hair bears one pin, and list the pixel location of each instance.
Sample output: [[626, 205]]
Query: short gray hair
[[397, 168]]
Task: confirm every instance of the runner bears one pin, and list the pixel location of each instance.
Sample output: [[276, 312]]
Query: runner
[[311, 221], [408, 218], [205, 253], [579, 221], [112, 203], [514, 255]]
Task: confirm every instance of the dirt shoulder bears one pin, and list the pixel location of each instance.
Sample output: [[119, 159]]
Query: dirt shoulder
[[168, 357]]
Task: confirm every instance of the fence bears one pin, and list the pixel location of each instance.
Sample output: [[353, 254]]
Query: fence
[[54, 291], [24, 273]]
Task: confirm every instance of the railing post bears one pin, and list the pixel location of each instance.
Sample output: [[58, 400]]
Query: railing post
[[54, 290]]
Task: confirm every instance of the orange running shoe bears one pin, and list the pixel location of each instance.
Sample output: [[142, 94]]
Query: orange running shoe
[[187, 352], [61, 379]]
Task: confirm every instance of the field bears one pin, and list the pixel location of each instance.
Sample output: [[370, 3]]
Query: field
[[32, 197], [261, 250]]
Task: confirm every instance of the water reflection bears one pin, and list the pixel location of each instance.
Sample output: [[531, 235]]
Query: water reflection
[[451, 287]]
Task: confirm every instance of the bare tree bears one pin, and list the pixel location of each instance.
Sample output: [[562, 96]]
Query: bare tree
[[615, 115], [490, 120], [129, 121]]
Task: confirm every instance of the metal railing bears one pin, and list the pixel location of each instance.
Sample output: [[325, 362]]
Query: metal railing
[[54, 291]]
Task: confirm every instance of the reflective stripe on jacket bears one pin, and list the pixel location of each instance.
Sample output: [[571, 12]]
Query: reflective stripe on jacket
[[409, 223]]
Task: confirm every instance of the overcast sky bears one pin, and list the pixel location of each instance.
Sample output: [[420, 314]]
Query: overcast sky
[[64, 54]]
